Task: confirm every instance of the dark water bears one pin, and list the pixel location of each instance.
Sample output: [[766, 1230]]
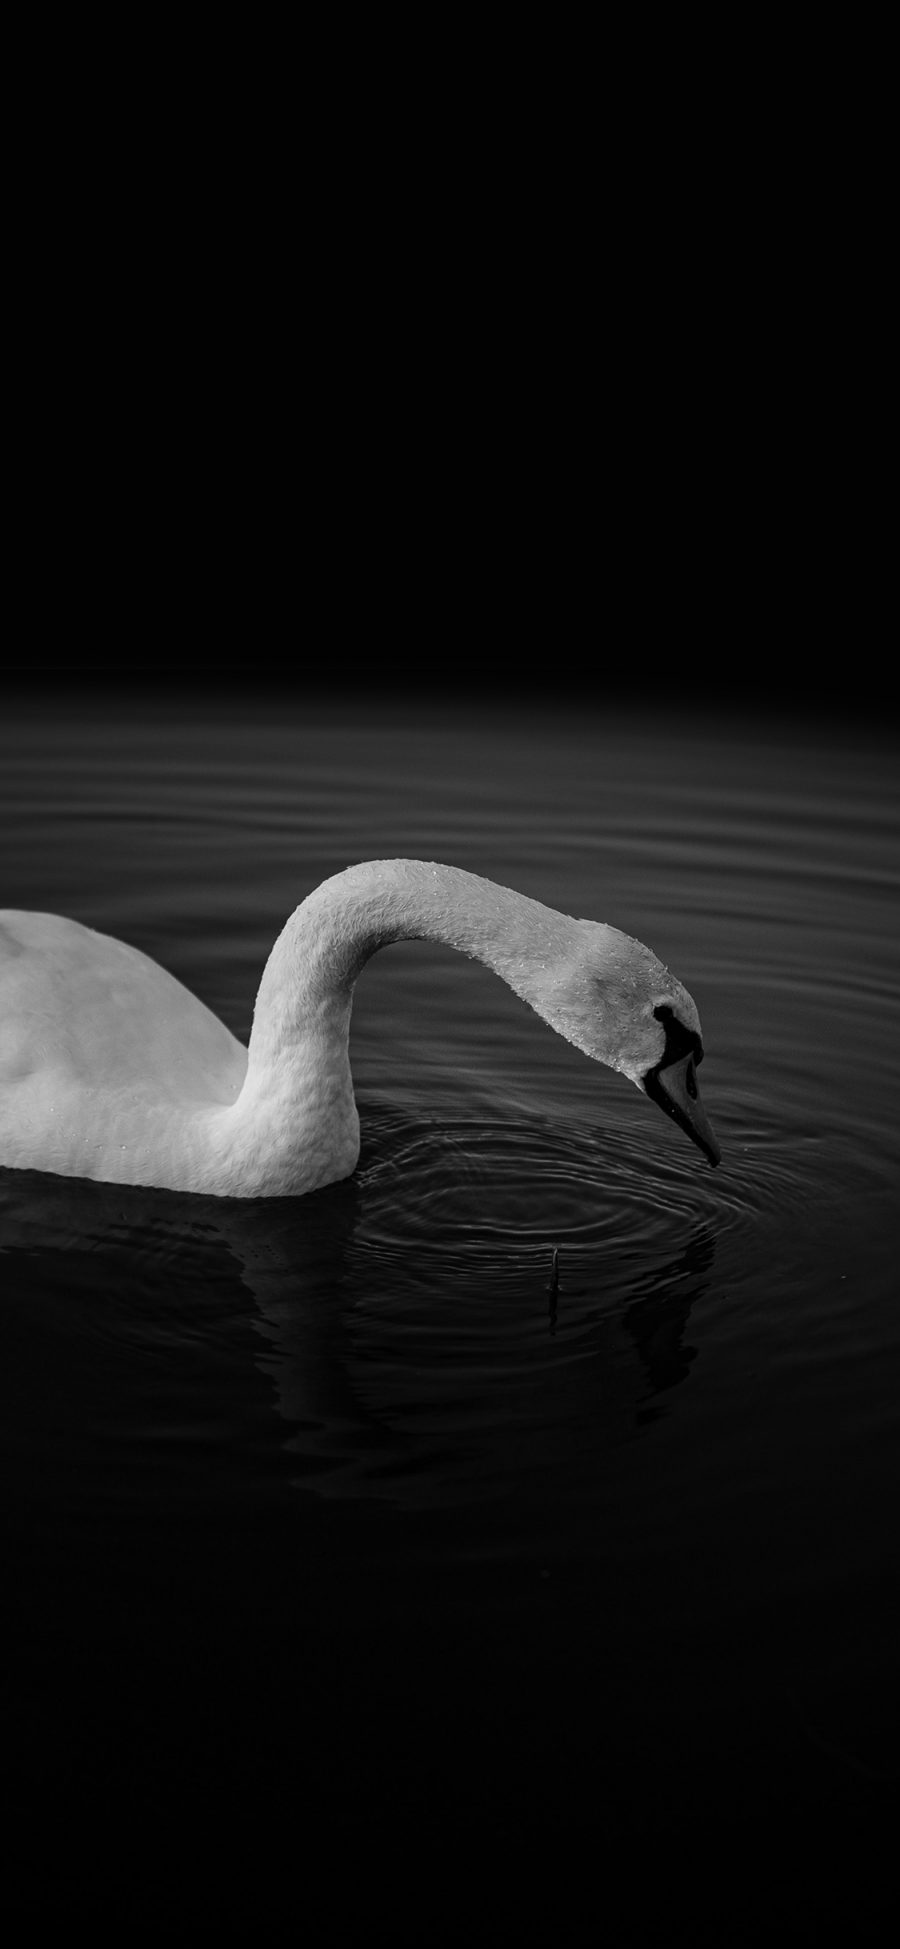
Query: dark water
[[349, 1510]]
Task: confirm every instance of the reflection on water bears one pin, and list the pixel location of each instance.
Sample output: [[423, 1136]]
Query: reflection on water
[[657, 1322], [406, 1388]]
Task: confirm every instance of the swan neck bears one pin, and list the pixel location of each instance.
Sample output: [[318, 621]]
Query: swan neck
[[308, 982]]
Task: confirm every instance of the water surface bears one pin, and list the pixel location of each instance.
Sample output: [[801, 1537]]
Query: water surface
[[369, 1493]]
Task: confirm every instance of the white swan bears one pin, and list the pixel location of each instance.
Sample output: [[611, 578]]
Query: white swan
[[110, 1069]]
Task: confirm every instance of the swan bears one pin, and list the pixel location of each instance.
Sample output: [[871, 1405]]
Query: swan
[[110, 1069]]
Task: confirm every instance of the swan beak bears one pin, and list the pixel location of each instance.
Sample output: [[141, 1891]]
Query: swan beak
[[675, 1090]]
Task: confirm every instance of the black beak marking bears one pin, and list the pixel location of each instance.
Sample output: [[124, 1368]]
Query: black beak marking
[[673, 1084]]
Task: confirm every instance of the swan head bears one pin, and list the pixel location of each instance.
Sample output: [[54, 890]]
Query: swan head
[[618, 1003]]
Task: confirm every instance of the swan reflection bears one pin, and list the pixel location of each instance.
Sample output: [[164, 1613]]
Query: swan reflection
[[409, 1358], [447, 1375]]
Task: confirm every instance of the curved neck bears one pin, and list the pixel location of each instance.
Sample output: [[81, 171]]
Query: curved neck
[[295, 1125], [307, 984]]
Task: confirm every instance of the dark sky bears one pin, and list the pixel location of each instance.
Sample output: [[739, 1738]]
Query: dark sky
[[691, 524], [609, 426]]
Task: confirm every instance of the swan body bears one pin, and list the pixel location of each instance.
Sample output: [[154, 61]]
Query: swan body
[[110, 1069]]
